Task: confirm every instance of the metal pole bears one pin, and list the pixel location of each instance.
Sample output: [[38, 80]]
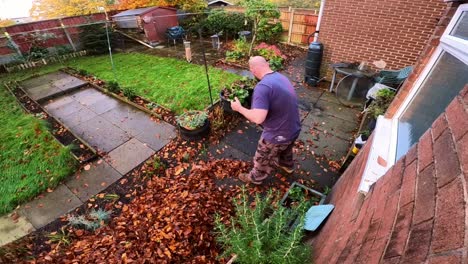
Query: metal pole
[[109, 46], [206, 66]]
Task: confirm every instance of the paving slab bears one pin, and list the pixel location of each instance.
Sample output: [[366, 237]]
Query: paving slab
[[336, 126], [64, 109], [88, 96], [245, 134], [156, 135], [43, 79], [42, 211], [104, 104], [41, 92], [338, 110], [11, 230], [68, 82], [78, 117], [84, 184], [101, 134], [325, 144], [225, 151], [129, 155], [129, 119]]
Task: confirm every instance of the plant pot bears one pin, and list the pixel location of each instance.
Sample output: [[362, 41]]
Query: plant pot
[[287, 200], [225, 103], [195, 134]]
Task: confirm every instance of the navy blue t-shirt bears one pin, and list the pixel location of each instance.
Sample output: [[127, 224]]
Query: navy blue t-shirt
[[276, 94]]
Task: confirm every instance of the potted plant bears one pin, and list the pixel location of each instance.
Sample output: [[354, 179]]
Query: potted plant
[[193, 125], [242, 89]]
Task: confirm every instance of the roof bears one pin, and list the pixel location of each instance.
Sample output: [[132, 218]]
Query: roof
[[139, 11], [219, 1]]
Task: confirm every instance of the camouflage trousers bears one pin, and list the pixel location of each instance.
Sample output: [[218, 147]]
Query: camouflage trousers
[[268, 156]]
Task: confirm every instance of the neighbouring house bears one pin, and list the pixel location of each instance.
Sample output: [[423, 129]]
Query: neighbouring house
[[218, 3], [152, 21], [404, 197], [394, 31]]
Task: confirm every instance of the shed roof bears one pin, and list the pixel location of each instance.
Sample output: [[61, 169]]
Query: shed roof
[[219, 1], [138, 11]]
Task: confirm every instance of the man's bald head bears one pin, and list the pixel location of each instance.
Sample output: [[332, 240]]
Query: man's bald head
[[259, 66]]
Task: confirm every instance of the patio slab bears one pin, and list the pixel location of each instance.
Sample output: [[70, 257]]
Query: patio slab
[[85, 184], [157, 135], [324, 144], [43, 79], [245, 134], [48, 85], [101, 134], [78, 117], [120, 159], [103, 104], [64, 109], [44, 210], [330, 124], [11, 230], [68, 82], [41, 92]]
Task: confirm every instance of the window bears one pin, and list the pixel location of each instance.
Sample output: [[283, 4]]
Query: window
[[446, 79], [445, 75]]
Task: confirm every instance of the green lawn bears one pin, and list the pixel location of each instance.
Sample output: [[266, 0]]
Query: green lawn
[[30, 159], [173, 83]]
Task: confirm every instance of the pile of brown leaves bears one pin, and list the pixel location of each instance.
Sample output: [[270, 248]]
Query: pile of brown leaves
[[171, 222]]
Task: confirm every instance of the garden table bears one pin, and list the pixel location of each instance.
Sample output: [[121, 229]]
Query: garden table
[[351, 72]]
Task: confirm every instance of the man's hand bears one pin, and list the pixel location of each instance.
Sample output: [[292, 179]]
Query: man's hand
[[236, 105]]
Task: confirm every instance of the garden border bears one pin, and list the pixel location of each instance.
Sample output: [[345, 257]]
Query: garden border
[[56, 120]]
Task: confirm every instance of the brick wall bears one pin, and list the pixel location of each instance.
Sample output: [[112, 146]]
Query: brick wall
[[418, 211], [368, 30]]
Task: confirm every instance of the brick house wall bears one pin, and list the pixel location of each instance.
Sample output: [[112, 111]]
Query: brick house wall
[[395, 31], [417, 212]]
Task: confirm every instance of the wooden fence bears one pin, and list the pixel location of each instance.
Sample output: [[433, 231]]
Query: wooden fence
[[298, 24]]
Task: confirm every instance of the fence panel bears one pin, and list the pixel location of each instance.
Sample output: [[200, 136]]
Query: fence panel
[[298, 23]]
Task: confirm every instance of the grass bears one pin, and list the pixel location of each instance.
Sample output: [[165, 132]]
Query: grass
[[31, 159], [173, 83]]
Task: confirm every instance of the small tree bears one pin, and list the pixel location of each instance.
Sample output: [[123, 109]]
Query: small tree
[[94, 39], [260, 12]]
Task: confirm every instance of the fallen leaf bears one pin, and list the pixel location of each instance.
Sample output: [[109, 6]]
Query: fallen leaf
[[87, 167]]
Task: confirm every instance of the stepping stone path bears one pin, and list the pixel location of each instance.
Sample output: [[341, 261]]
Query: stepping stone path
[[128, 135]]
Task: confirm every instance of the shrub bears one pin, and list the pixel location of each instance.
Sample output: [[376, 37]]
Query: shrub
[[265, 234], [239, 50], [92, 221], [129, 93], [192, 119], [276, 63], [226, 22], [83, 72], [269, 32], [94, 38], [381, 103], [113, 86]]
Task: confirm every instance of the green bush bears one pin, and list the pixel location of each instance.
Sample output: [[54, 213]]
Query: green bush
[[94, 38], [268, 32], [113, 86], [265, 234], [129, 93], [239, 50], [276, 63], [383, 100], [83, 72], [229, 23]]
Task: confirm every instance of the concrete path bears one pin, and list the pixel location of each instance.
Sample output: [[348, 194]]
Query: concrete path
[[128, 136]]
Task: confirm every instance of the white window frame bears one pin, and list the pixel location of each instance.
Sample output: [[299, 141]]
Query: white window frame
[[384, 146]]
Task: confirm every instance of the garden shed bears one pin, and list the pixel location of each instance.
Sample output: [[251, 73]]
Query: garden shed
[[153, 21]]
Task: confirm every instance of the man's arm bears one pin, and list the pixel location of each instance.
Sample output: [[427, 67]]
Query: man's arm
[[255, 115]]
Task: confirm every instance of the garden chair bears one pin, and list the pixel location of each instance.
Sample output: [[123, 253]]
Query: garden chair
[[393, 78]]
